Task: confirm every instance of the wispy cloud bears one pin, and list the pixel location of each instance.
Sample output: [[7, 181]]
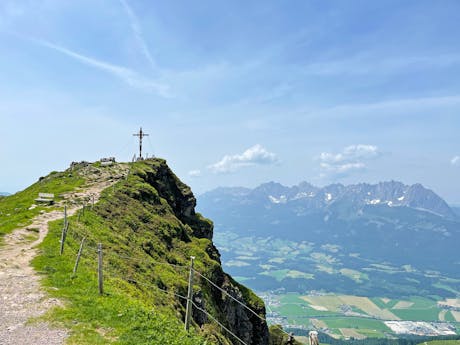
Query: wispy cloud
[[351, 158], [194, 173], [255, 155], [406, 103], [388, 108], [127, 75], [362, 64], [138, 34], [455, 161]]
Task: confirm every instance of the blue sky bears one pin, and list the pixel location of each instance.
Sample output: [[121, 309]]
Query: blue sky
[[234, 92]]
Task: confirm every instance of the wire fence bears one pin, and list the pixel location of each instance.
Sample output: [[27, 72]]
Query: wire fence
[[89, 245]]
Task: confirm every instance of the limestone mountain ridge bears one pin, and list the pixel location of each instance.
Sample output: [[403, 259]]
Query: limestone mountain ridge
[[311, 198]]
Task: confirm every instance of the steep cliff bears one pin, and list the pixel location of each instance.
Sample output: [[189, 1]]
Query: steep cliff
[[148, 228]]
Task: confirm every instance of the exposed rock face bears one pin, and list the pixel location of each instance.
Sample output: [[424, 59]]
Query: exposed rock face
[[246, 325], [234, 313], [241, 321], [421, 198], [178, 195]]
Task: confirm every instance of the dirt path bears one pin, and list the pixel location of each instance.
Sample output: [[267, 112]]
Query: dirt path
[[21, 295]]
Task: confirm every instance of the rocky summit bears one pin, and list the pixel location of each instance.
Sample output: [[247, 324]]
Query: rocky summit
[[142, 218]]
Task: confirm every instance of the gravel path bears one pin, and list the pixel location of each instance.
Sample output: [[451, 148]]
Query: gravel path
[[21, 295]]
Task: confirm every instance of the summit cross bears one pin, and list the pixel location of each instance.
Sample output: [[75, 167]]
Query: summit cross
[[141, 134]]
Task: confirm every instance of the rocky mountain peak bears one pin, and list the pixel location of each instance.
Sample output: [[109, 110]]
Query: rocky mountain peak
[[386, 193]]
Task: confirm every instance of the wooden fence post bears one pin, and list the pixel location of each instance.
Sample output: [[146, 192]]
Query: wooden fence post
[[63, 237], [99, 269], [188, 312], [78, 256]]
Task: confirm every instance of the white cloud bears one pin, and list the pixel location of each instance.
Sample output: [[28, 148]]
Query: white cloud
[[350, 153], [342, 168], [255, 155], [136, 27], [455, 161], [127, 75], [351, 158], [194, 173]]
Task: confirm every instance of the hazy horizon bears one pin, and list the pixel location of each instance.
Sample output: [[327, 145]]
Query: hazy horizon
[[234, 93]]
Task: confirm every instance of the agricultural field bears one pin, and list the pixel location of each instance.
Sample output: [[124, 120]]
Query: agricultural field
[[280, 275], [320, 286], [270, 263], [347, 316], [441, 342], [451, 302]]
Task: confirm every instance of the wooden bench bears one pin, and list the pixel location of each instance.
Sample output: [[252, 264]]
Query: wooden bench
[[47, 198]]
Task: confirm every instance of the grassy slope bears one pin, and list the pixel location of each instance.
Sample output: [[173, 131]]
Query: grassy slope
[[141, 236], [14, 209], [123, 315]]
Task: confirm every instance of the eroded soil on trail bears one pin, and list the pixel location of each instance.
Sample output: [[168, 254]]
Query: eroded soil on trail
[[21, 294]]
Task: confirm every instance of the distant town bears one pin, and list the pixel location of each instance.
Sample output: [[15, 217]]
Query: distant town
[[389, 328]]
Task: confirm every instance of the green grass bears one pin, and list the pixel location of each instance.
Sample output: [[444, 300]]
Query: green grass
[[357, 276], [123, 315], [370, 333], [292, 298], [358, 323], [14, 209], [379, 303], [291, 310], [295, 308], [449, 317], [422, 303], [423, 309], [137, 223], [280, 275], [417, 314]]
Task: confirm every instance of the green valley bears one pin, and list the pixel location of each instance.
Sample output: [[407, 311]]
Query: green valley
[[311, 287]]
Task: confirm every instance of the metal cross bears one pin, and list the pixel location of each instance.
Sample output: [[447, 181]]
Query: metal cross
[[140, 135]]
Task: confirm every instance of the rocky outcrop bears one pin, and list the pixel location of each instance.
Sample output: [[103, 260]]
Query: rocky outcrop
[[170, 192]]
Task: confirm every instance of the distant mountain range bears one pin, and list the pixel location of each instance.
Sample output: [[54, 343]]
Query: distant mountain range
[[4, 194], [308, 198], [456, 209], [366, 224]]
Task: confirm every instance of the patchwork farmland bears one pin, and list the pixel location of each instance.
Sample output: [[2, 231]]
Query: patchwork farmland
[[347, 316]]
